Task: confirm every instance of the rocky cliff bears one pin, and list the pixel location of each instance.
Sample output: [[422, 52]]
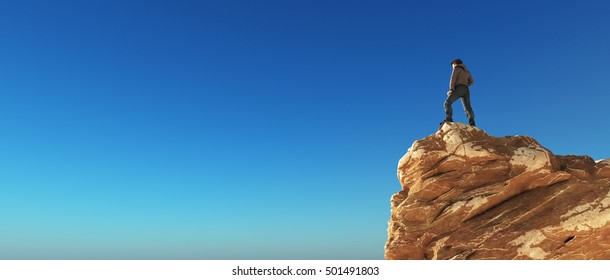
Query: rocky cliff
[[468, 195]]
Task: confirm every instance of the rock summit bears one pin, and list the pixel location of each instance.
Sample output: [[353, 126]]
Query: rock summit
[[468, 195]]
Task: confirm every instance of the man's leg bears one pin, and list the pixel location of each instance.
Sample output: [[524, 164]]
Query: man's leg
[[468, 107], [453, 96]]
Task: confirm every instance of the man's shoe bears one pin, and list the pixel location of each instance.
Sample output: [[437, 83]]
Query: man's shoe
[[445, 121]]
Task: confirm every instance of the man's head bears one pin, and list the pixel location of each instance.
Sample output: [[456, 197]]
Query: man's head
[[456, 62]]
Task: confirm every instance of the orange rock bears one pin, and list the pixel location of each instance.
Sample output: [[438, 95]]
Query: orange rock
[[468, 195]]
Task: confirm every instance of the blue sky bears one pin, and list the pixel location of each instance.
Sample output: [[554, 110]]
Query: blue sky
[[264, 129]]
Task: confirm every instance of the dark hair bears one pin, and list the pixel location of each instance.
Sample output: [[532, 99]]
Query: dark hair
[[458, 61]]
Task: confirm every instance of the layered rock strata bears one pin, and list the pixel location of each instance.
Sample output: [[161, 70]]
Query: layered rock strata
[[468, 195]]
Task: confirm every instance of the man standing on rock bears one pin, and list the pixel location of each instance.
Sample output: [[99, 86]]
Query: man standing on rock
[[458, 88]]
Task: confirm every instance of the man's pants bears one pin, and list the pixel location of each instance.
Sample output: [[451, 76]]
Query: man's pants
[[460, 91]]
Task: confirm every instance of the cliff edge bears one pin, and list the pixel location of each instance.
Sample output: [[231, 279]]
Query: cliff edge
[[468, 195]]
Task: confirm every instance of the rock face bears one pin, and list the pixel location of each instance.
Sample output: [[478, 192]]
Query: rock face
[[467, 195]]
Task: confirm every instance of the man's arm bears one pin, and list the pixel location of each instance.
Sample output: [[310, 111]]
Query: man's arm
[[453, 79]]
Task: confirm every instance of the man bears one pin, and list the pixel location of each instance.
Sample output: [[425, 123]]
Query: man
[[458, 88]]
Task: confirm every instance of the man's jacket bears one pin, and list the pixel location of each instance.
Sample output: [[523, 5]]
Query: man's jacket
[[460, 76]]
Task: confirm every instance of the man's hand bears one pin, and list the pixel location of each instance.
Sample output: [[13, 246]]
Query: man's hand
[[449, 92]]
